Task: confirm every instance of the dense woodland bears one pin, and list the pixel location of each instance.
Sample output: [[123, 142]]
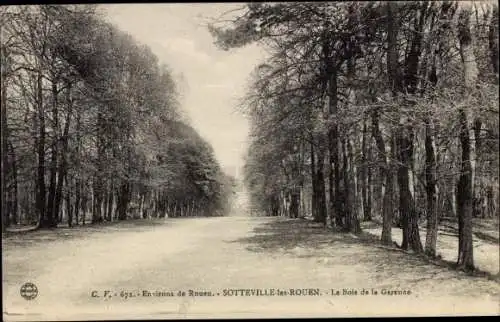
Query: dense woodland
[[373, 110], [92, 128]]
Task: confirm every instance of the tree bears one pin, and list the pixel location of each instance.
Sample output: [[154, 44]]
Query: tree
[[87, 105], [331, 66]]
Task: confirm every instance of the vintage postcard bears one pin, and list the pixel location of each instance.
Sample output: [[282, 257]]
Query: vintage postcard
[[249, 160]]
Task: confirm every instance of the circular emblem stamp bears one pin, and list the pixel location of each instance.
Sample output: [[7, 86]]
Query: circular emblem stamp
[[29, 291]]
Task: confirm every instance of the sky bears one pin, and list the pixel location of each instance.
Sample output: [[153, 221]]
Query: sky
[[211, 81]]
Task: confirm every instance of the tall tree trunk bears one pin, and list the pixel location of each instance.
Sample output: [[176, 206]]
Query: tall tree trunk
[[431, 161], [475, 164], [430, 188], [411, 234], [369, 184], [51, 209], [314, 185], [294, 203], [97, 207], [44, 216], [386, 180], [395, 86], [320, 182], [123, 200], [365, 184], [77, 167], [69, 204], [63, 166], [464, 199], [349, 173], [15, 200], [4, 136], [77, 200], [465, 182], [336, 194], [109, 212], [389, 205], [378, 186], [84, 201], [331, 192], [333, 136], [493, 39], [347, 207], [99, 177]]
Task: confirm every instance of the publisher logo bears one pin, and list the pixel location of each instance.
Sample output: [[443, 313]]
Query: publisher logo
[[29, 291]]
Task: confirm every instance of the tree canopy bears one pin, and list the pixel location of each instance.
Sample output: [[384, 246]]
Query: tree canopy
[[373, 109], [92, 127]]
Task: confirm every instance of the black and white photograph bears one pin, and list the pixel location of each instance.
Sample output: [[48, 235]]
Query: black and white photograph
[[249, 160]]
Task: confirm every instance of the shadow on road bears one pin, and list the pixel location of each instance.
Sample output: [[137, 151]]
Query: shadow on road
[[35, 237], [286, 235], [305, 239]]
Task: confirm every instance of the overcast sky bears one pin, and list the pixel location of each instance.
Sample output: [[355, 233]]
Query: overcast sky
[[211, 80]]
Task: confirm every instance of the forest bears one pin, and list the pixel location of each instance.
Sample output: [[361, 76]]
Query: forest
[[373, 111], [92, 126]]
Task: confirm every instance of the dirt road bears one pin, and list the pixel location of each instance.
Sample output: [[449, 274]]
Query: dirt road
[[239, 267]]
